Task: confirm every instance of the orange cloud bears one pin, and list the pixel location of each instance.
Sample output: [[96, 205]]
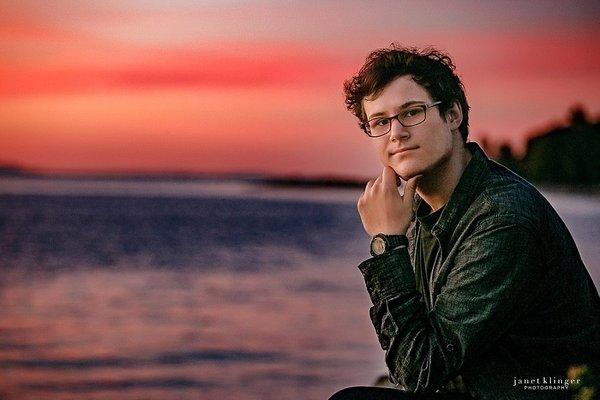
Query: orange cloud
[[193, 68], [88, 85]]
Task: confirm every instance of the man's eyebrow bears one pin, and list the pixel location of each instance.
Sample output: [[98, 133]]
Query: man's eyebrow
[[408, 103]]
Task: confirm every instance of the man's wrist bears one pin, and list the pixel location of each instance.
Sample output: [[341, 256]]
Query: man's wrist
[[382, 243]]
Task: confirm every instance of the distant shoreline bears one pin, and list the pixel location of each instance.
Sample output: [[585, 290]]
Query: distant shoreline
[[289, 181]]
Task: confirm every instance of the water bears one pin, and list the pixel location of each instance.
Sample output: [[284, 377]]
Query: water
[[153, 290]]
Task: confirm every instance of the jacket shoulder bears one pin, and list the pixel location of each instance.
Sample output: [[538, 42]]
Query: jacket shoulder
[[508, 196]]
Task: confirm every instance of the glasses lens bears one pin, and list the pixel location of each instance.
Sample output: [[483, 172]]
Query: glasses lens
[[379, 127], [412, 116]]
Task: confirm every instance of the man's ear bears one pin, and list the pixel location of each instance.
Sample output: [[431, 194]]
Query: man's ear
[[454, 116]]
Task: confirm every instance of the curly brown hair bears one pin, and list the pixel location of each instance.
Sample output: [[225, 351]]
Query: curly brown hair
[[429, 67]]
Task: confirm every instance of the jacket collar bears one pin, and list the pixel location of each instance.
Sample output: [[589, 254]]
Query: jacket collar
[[469, 186]]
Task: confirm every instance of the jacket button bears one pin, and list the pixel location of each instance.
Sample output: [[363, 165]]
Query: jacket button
[[449, 347]]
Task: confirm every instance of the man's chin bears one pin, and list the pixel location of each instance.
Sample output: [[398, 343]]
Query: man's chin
[[405, 173]]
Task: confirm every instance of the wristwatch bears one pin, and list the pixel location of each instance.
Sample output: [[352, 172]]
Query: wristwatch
[[381, 243]]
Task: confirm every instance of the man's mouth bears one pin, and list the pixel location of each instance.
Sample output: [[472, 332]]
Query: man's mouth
[[402, 150]]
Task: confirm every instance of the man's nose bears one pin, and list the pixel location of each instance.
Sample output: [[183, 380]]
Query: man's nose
[[397, 131]]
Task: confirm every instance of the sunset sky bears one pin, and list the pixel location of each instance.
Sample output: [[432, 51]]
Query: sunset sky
[[256, 86]]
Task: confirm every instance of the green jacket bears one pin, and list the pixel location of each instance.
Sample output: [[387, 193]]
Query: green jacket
[[512, 305]]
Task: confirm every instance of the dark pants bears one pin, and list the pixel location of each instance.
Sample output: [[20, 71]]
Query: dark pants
[[381, 393]]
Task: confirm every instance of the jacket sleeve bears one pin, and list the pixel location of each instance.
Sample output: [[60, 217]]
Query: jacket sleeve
[[480, 300]]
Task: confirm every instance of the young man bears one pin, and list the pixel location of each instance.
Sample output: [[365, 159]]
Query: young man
[[477, 285]]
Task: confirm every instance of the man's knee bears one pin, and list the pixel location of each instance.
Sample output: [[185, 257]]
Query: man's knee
[[368, 393], [348, 393]]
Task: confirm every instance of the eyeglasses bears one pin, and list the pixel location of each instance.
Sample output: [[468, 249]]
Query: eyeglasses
[[410, 116]]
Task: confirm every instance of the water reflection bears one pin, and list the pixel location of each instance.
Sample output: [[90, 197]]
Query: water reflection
[[138, 331], [193, 297]]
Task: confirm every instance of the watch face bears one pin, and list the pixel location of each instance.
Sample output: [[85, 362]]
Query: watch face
[[378, 245]]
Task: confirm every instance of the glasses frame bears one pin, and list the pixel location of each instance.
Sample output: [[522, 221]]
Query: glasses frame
[[365, 125]]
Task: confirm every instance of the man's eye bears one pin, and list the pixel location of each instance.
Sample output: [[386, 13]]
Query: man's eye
[[411, 112], [381, 122]]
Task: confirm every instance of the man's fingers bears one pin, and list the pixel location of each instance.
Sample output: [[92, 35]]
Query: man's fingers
[[369, 184], [377, 181], [388, 177]]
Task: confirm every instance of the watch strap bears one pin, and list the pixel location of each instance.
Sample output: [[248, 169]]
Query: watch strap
[[395, 241]]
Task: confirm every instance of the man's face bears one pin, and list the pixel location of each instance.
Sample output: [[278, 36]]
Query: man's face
[[415, 150]]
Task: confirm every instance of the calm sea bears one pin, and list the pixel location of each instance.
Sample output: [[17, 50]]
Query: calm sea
[[193, 289]]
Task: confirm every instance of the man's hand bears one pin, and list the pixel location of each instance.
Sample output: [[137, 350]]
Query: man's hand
[[381, 207]]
